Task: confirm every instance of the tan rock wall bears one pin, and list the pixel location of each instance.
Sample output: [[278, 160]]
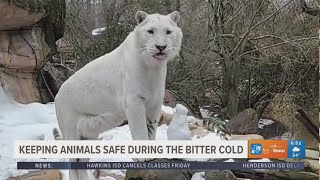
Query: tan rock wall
[[22, 54], [13, 17], [21, 86]]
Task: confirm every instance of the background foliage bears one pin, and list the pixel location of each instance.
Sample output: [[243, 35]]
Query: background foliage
[[233, 51]]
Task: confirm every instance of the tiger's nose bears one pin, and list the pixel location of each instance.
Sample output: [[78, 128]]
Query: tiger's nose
[[161, 48]]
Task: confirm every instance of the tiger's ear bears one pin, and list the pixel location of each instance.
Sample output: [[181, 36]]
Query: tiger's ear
[[175, 16], [140, 16]]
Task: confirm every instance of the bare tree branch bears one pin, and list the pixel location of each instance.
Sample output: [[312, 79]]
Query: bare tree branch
[[248, 31], [200, 55], [267, 18], [265, 36], [278, 44]]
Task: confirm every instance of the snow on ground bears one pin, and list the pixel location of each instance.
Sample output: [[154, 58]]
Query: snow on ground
[[98, 31], [205, 113], [124, 133], [35, 121], [198, 176], [22, 122], [167, 109], [260, 160], [107, 178], [229, 160], [264, 122]]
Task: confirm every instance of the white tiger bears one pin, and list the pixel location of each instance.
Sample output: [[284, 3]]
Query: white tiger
[[125, 84]]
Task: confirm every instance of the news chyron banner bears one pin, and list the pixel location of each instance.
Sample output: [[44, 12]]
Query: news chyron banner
[[130, 149], [195, 154]]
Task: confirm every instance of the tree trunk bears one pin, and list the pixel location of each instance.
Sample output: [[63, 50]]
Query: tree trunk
[[230, 86], [233, 102]]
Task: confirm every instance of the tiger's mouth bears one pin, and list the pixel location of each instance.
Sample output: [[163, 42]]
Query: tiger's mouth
[[160, 56]]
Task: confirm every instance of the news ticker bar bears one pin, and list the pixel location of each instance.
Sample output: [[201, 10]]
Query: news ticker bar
[[256, 149], [162, 165]]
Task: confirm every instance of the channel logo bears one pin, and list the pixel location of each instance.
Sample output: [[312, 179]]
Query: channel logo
[[256, 149], [268, 149]]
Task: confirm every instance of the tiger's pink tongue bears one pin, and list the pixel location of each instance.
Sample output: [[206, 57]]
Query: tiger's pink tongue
[[160, 56]]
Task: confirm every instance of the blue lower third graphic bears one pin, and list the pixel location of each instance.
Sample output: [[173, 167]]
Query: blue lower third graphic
[[296, 149], [161, 165]]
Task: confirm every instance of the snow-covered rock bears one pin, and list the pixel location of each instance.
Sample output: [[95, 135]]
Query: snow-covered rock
[[198, 176], [264, 122], [167, 109], [205, 113]]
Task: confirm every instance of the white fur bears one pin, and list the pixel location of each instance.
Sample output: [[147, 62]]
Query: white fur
[[125, 84]]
